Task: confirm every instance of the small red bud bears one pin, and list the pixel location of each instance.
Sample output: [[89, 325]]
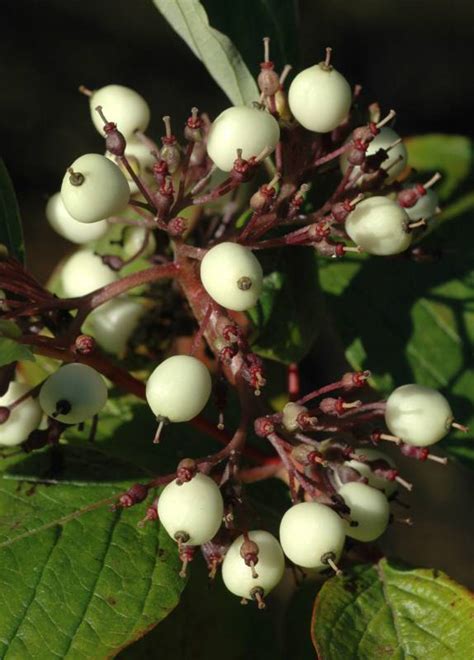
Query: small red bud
[[263, 427], [134, 495], [186, 470], [84, 344]]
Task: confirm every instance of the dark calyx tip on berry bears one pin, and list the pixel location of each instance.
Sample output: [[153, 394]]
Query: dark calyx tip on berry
[[257, 595], [249, 552], [244, 283], [186, 470], [75, 178], [63, 407], [329, 559]]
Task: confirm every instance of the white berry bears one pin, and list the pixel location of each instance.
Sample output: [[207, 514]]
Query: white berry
[[95, 189], [379, 226], [365, 470], [84, 272], [419, 415], [232, 276], [179, 388], [395, 162], [310, 533], [73, 393], [122, 106], [67, 227], [193, 509], [113, 323], [240, 127], [320, 98], [133, 241], [425, 206], [23, 419], [290, 415], [369, 508], [237, 575]]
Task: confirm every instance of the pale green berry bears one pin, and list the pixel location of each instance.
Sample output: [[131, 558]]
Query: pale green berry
[[191, 511], [113, 323], [122, 106], [365, 470], [241, 127], [369, 508], [395, 162], [419, 415], [232, 276], [23, 419], [379, 226], [94, 188], [310, 533], [320, 98], [237, 575], [425, 207], [179, 388], [84, 272], [67, 227], [74, 393]]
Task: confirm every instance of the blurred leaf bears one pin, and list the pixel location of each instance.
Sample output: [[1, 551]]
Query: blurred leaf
[[11, 234], [210, 624], [276, 19], [216, 51], [289, 311], [390, 611], [451, 155], [78, 580], [12, 351]]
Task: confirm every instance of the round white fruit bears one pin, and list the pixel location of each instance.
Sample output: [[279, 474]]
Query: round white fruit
[[113, 323], [365, 470], [84, 272], [320, 98], [309, 533], [95, 190], [122, 106], [240, 127], [237, 575], [379, 226], [23, 419], [369, 508], [194, 509], [76, 387], [419, 415], [232, 276], [425, 206], [134, 239], [179, 388], [395, 162], [290, 415], [67, 227]]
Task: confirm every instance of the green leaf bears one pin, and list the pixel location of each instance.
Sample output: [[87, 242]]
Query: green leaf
[[276, 19], [78, 580], [11, 234], [391, 611], [288, 315], [216, 51], [451, 155], [12, 351]]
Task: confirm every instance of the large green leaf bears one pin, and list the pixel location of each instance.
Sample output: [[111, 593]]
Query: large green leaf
[[214, 49], [11, 234], [288, 315], [390, 611], [78, 580]]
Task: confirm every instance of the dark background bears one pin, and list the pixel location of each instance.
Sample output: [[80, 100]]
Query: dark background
[[414, 56]]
